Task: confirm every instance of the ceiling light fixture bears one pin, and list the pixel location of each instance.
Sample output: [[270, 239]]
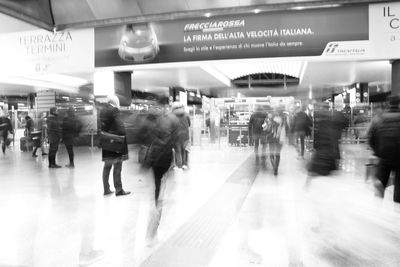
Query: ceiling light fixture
[[207, 15], [256, 11], [314, 7]]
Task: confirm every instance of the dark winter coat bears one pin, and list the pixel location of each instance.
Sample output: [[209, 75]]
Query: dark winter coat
[[164, 137], [302, 123], [184, 124], [384, 135], [53, 129], [70, 129], [256, 121], [112, 123]]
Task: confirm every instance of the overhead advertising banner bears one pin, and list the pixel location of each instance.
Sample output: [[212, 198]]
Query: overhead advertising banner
[[384, 25], [42, 51], [277, 34]]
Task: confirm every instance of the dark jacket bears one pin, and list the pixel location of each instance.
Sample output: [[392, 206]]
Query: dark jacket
[[384, 135], [302, 123], [5, 126], [112, 123], [256, 121], [164, 137], [184, 124], [70, 129], [29, 127], [53, 129]]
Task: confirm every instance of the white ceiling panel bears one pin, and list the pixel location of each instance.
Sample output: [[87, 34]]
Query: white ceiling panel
[[186, 77], [331, 74]]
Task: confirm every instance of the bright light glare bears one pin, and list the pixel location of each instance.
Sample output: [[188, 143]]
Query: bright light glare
[[103, 83]]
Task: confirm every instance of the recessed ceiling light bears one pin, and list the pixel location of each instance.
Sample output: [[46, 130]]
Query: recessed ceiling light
[[207, 15], [256, 11]]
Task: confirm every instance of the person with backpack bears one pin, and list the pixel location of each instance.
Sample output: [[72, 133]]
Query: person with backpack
[[384, 139]]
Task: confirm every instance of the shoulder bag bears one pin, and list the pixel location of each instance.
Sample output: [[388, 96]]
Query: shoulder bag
[[112, 142]]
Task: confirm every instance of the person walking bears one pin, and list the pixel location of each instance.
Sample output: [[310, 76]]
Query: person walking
[[54, 136], [276, 135], [384, 139], [164, 135], [302, 127], [32, 135], [5, 129], [256, 132], [70, 129], [112, 123], [181, 152]]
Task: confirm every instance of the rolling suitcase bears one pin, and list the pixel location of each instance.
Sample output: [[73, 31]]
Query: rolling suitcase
[[25, 144]]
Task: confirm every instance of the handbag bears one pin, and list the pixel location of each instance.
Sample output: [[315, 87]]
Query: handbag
[[112, 142]]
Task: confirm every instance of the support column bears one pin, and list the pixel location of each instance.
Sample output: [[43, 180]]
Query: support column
[[395, 77], [123, 87]]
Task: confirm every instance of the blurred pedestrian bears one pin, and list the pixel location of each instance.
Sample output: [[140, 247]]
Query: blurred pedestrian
[[112, 123], [33, 136], [275, 128], [6, 129], [164, 135], [323, 159], [256, 132], [302, 127], [70, 129], [54, 135], [182, 143], [384, 139]]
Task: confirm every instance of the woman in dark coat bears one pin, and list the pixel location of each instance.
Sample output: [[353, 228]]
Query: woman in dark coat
[[111, 123], [54, 135], [70, 128]]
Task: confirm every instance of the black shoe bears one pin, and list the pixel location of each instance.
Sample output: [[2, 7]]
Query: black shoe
[[108, 192], [122, 193], [71, 165], [34, 155], [55, 166], [44, 154]]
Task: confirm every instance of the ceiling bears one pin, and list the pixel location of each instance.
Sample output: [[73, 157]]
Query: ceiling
[[61, 14], [213, 78]]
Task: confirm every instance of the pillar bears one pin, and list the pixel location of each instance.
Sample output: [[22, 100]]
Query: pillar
[[395, 77]]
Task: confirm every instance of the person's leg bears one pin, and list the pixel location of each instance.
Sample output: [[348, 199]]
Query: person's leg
[[272, 147], [70, 155], [278, 149], [383, 177], [3, 145], [34, 152], [178, 154], [302, 136], [396, 195], [256, 139], [117, 176], [106, 174], [52, 154]]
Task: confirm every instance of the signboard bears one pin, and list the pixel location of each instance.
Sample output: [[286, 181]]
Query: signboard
[[384, 29], [42, 51], [277, 34]]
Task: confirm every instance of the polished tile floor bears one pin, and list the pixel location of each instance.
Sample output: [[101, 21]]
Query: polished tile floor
[[223, 211]]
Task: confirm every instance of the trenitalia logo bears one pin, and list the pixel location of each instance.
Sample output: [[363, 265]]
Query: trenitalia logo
[[214, 25], [356, 48], [330, 49]]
